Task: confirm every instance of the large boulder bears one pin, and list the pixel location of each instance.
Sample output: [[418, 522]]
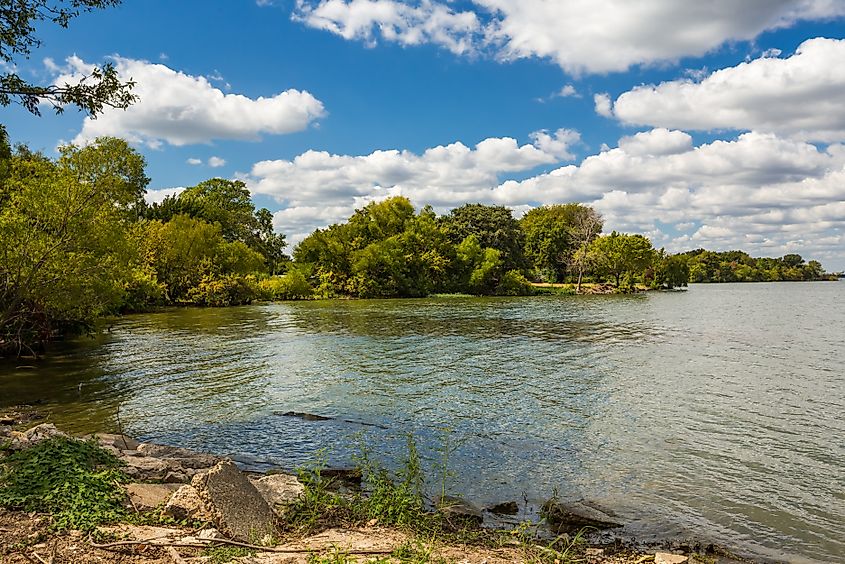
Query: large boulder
[[571, 517], [237, 508], [31, 437], [161, 463]]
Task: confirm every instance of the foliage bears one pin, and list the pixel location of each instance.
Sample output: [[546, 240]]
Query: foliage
[[77, 482], [554, 234], [513, 283], [290, 286], [93, 92], [620, 254], [64, 244], [494, 227], [738, 266], [671, 271], [224, 554]]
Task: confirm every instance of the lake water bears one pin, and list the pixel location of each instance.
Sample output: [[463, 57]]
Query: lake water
[[716, 413]]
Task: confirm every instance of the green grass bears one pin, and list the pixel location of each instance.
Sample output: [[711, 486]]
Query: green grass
[[223, 554], [76, 482]]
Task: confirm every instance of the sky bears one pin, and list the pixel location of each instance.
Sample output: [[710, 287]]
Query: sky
[[716, 124]]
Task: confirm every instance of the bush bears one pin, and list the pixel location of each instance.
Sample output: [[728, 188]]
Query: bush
[[513, 283], [227, 290], [291, 286]]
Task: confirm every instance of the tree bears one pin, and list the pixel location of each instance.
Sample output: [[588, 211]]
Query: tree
[[553, 234], [227, 203], [493, 226], [618, 254], [672, 271], [64, 250], [91, 93]]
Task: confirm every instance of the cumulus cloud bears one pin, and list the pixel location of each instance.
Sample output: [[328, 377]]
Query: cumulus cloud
[[158, 196], [595, 36], [798, 97], [216, 162], [181, 109], [426, 22], [194, 161], [603, 104], [758, 192]]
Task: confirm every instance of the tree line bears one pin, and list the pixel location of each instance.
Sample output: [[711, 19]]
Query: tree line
[[78, 242]]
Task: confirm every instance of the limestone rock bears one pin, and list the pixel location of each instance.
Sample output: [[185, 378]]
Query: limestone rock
[[457, 509], [119, 442], [145, 467], [33, 436], [149, 496], [570, 517], [279, 489], [237, 507], [185, 503], [669, 558]]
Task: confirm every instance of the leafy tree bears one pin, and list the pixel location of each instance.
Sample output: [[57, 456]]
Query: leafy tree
[[620, 254], [64, 249], [553, 234], [227, 203], [493, 226], [672, 271], [92, 93]]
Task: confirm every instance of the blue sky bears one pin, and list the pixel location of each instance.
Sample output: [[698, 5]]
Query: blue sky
[[717, 126]]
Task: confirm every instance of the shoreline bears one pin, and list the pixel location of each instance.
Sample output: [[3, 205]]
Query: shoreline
[[160, 471]]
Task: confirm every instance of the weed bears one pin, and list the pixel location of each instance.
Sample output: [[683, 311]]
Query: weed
[[223, 554], [77, 482], [417, 552]]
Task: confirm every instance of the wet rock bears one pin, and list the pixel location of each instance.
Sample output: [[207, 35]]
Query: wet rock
[[669, 558], [186, 504], [145, 468], [119, 442], [304, 416], [144, 497], [187, 459], [570, 517], [504, 508], [279, 489], [349, 478], [459, 511], [237, 508]]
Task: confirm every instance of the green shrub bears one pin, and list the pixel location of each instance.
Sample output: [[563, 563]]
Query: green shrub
[[77, 482], [290, 286], [225, 290], [513, 283]]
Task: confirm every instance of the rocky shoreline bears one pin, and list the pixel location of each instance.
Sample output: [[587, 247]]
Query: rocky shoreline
[[212, 503]]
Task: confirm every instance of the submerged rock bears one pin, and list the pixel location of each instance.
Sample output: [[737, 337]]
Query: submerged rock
[[457, 510], [570, 517], [504, 508], [237, 508], [305, 416]]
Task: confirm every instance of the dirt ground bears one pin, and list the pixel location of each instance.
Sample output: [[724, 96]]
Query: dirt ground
[[26, 539]]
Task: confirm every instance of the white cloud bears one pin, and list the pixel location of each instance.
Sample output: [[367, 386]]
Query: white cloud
[[194, 162], [216, 162], [603, 105], [656, 142], [182, 109], [800, 97], [558, 144], [579, 35], [427, 22], [157, 196], [758, 192]]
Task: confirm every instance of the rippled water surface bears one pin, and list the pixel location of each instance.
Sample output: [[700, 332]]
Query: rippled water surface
[[716, 413]]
